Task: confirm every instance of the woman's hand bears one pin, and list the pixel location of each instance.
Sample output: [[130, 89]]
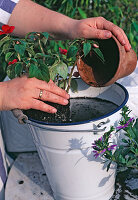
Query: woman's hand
[[100, 28], [26, 93]]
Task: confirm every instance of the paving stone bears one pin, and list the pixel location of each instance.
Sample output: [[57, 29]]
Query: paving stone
[[27, 179]]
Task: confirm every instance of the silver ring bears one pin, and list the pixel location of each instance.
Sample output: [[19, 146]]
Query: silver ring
[[40, 94]]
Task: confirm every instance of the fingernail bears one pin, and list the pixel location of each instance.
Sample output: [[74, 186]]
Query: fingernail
[[107, 34], [67, 96], [54, 110], [65, 101], [95, 45], [123, 42]]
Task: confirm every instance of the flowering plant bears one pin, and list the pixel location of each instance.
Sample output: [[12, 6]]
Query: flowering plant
[[124, 154], [38, 55]]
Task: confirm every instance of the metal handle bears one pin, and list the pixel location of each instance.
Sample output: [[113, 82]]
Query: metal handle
[[95, 130], [102, 123]]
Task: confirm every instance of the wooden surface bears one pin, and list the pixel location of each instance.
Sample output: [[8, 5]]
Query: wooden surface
[[27, 180]]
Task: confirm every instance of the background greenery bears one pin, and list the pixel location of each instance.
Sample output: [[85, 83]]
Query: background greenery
[[123, 13]]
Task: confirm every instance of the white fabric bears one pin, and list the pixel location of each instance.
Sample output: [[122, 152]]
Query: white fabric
[[4, 162], [4, 16], [131, 84], [15, 1], [1, 190]]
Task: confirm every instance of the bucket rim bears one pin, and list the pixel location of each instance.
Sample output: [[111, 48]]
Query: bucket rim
[[91, 120]]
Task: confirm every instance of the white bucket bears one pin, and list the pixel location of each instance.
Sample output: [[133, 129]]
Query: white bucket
[[66, 154]]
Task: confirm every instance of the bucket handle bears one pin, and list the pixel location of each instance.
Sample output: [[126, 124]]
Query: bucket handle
[[95, 130]]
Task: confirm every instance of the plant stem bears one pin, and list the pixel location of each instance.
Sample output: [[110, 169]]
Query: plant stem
[[42, 50], [69, 81], [18, 55]]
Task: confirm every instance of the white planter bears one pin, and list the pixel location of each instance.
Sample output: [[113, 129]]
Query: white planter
[[66, 154]]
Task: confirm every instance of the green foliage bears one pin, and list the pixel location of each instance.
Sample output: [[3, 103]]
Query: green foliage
[[123, 13], [86, 48], [38, 55], [72, 52], [99, 53], [126, 154]]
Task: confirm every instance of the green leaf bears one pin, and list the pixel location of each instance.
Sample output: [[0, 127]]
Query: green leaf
[[3, 40], [8, 56], [122, 160], [18, 69], [70, 2], [44, 40], [45, 34], [53, 72], [60, 44], [30, 36], [41, 73], [72, 52], [62, 70], [124, 140], [82, 13], [4, 65], [45, 72], [20, 48], [74, 85], [132, 149], [131, 36], [136, 125], [11, 71], [86, 48], [131, 132], [33, 71], [30, 50], [5, 47], [73, 13], [135, 26], [99, 54], [131, 162]]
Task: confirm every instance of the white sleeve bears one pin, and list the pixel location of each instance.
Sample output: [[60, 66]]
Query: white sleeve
[[6, 8]]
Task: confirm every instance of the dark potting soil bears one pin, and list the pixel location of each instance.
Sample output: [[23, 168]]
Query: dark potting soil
[[79, 109]]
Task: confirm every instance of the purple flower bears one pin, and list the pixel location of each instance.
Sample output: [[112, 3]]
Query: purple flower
[[111, 147], [100, 138], [94, 146], [97, 153], [103, 151], [125, 125]]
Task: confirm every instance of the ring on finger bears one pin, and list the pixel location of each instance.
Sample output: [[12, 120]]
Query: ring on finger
[[40, 94]]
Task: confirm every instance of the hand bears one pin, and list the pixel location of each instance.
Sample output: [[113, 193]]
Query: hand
[[100, 28], [41, 19], [23, 93]]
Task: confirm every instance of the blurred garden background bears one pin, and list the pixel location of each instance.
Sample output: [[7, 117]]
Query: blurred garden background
[[123, 13]]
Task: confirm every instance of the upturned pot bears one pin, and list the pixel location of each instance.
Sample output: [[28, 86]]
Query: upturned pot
[[118, 63]]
